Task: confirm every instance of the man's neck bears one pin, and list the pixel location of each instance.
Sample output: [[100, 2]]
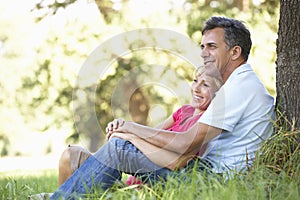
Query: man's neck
[[230, 69]]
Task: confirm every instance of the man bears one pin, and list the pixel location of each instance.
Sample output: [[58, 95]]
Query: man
[[234, 126]]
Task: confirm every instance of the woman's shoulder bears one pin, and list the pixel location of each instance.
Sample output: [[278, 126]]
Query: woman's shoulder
[[187, 107]]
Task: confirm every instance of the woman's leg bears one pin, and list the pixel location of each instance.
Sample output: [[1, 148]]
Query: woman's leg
[[106, 166]]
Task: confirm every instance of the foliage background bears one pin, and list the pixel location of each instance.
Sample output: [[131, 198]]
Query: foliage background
[[42, 51]]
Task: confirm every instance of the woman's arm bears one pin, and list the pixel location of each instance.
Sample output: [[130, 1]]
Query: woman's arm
[[116, 123], [166, 124], [159, 156], [180, 142]]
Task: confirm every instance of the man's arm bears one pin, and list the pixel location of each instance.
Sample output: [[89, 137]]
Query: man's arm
[[116, 123], [159, 156], [180, 142]]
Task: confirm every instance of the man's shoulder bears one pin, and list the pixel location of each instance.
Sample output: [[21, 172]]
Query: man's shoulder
[[244, 76]]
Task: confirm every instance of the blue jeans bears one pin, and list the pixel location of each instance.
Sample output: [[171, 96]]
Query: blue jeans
[[106, 166]]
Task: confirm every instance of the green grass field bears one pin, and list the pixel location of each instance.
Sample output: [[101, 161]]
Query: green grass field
[[274, 175], [20, 184], [259, 184]]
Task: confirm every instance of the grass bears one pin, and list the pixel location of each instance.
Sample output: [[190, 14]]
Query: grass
[[275, 175], [261, 183], [20, 184]]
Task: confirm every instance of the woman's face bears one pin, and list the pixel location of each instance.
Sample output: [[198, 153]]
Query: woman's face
[[203, 90]]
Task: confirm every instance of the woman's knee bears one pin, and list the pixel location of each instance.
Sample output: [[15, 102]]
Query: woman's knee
[[119, 143]]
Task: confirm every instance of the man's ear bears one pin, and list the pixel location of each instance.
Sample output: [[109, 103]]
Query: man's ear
[[236, 52]]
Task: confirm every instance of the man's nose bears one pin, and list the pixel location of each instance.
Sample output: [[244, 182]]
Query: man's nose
[[204, 53]]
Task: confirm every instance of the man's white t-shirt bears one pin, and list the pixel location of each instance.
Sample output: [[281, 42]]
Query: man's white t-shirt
[[244, 110]]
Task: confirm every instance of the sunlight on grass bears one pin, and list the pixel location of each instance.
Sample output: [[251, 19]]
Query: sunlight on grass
[[274, 175], [259, 183], [22, 183]]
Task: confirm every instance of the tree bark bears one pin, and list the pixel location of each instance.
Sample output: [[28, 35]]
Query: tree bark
[[288, 64]]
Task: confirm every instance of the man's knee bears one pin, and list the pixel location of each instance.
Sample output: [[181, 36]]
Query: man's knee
[[78, 155], [64, 160]]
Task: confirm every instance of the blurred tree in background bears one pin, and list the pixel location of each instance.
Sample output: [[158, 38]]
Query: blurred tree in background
[[44, 89]]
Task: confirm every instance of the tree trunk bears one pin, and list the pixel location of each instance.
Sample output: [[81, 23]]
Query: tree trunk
[[288, 64]]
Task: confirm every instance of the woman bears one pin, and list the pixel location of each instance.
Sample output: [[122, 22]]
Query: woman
[[203, 90]]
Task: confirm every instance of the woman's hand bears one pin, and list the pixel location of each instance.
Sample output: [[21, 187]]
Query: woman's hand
[[113, 126]]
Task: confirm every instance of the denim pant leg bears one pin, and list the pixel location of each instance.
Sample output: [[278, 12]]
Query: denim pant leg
[[106, 166]]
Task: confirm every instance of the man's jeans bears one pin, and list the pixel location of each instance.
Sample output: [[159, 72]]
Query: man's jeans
[[106, 166]]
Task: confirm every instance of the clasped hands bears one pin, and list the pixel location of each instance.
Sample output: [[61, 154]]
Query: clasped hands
[[116, 128]]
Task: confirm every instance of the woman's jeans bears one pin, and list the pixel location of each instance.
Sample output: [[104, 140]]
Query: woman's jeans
[[106, 166]]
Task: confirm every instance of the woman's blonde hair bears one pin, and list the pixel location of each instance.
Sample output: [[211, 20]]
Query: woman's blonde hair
[[214, 74]]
